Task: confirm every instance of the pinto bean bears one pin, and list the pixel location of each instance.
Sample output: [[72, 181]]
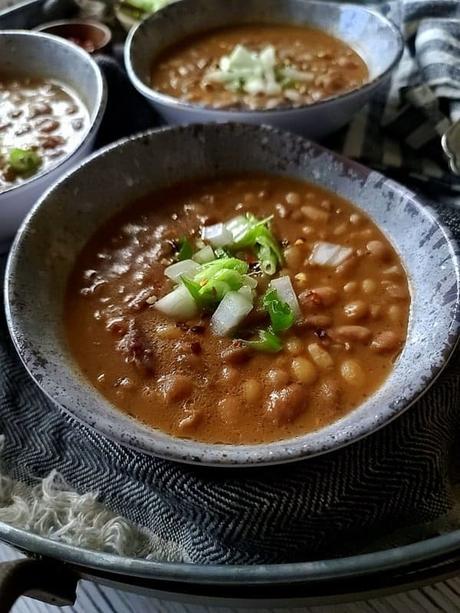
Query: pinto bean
[[303, 370], [353, 373], [347, 267], [314, 214], [328, 396], [169, 332], [294, 345], [350, 287], [320, 356], [293, 198], [356, 310], [319, 297], [277, 378], [190, 421], [327, 295], [386, 341], [236, 353], [369, 286], [176, 387], [294, 257], [394, 312], [315, 321], [358, 334], [252, 390], [230, 409], [285, 405], [378, 250], [396, 291]]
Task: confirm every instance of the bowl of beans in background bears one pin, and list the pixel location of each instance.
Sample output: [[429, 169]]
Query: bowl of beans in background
[[49, 117], [92, 36], [295, 64], [232, 295]]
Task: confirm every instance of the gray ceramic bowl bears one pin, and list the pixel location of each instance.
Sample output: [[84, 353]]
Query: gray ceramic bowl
[[37, 54], [375, 38], [70, 212]]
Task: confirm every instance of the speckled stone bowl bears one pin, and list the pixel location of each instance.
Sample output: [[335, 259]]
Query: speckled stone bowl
[[374, 37], [70, 212]]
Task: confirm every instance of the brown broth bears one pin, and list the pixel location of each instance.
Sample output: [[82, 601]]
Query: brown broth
[[179, 378], [332, 65]]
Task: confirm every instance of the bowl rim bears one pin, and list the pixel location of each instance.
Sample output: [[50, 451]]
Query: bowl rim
[[97, 25], [189, 451], [233, 114], [100, 104]]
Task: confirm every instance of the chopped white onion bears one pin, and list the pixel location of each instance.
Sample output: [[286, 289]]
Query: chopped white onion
[[250, 281], [246, 292], [237, 226], [286, 293], [328, 254], [178, 304], [204, 255], [217, 235], [233, 308], [185, 267]]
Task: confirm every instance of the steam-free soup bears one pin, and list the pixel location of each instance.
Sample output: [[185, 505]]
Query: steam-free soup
[[239, 310], [41, 121], [258, 67]]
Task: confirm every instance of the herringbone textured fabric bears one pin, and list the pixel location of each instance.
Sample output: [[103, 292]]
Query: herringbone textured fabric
[[307, 509]]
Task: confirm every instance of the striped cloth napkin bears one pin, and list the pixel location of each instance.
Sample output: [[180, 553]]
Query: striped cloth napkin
[[332, 505]]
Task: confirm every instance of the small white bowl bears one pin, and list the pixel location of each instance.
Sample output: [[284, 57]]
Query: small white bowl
[[43, 55], [374, 37]]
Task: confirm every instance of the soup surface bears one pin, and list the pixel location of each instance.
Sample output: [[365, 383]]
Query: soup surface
[[271, 364], [41, 121], [258, 67]]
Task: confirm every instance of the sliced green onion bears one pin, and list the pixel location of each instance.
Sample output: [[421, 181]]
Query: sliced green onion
[[220, 284], [214, 280], [267, 342], [253, 232], [281, 315], [202, 302], [185, 249], [221, 253], [209, 270], [24, 161]]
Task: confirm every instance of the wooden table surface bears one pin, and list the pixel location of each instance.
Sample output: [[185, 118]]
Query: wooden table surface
[[440, 597]]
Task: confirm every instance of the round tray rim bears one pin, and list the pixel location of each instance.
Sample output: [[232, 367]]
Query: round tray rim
[[395, 559]]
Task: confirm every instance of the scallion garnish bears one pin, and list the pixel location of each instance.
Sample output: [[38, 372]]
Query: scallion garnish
[[255, 233], [215, 279], [281, 315], [185, 249], [24, 161], [267, 342]]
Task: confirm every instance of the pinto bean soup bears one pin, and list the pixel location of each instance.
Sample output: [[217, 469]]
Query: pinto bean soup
[[241, 310], [41, 121], [258, 67]]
